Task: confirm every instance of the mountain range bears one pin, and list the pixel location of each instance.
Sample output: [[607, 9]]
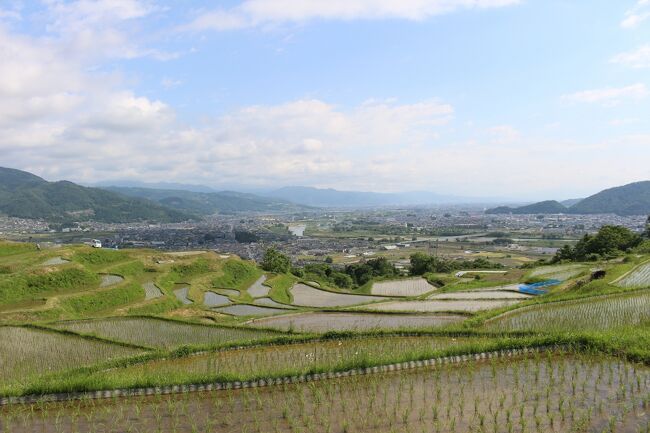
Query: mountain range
[[630, 199]]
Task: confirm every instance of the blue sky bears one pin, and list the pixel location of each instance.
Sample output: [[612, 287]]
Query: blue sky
[[526, 99]]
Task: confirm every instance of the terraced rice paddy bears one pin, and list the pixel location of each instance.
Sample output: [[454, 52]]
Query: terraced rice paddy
[[441, 306], [559, 272], [405, 288], [151, 291], [324, 322], [249, 310], [306, 296], [639, 277], [545, 394], [54, 261], [181, 295], [229, 292], [211, 299], [28, 352], [480, 294], [161, 333], [598, 313], [297, 358], [258, 289], [268, 302], [110, 280]]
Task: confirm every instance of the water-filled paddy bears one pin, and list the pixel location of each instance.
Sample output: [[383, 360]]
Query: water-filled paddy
[[249, 310], [639, 277], [410, 287], [56, 261], [110, 280], [441, 306], [324, 322], [181, 294], [258, 289], [211, 299], [151, 291], [481, 294], [268, 302], [555, 395], [160, 333], [306, 296]]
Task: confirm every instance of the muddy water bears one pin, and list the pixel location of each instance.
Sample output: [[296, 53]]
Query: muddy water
[[534, 395]]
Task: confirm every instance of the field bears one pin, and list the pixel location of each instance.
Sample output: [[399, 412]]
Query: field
[[410, 287], [158, 333], [137, 325], [554, 393], [599, 313], [30, 352], [639, 277]]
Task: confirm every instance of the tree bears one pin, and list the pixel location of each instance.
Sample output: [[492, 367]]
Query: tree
[[421, 264], [275, 261], [329, 260]]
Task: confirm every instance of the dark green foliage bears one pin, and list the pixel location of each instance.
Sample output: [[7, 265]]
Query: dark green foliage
[[32, 286], [236, 275], [610, 241], [275, 261], [24, 195], [422, 263], [361, 273], [244, 237]]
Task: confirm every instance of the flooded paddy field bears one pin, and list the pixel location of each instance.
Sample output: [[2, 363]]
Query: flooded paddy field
[[27, 352], [249, 310], [404, 288], [212, 299], [151, 291], [598, 313], [110, 280], [546, 393], [639, 277], [481, 294], [441, 306], [181, 291], [307, 296], [258, 289], [324, 322], [268, 302], [158, 333], [558, 272], [54, 261]]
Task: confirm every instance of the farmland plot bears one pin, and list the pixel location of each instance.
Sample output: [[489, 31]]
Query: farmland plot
[[405, 288], [306, 296], [26, 352], [441, 306], [249, 310], [599, 313], [110, 280], [558, 272], [160, 333], [258, 289], [639, 277], [324, 322], [212, 299], [480, 294], [181, 295], [151, 291], [563, 394]]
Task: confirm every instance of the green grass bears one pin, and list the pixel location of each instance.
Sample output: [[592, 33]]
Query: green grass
[[101, 301], [159, 306], [189, 270], [280, 285], [236, 274], [96, 258], [130, 269], [27, 287], [12, 248]]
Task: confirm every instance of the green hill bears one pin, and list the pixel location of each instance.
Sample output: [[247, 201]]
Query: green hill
[[207, 203], [25, 195], [631, 199], [543, 207]]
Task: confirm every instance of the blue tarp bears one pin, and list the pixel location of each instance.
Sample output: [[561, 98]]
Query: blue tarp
[[535, 288]]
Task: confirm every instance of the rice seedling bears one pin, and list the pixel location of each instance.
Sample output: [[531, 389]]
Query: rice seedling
[[639, 277], [598, 313], [160, 333]]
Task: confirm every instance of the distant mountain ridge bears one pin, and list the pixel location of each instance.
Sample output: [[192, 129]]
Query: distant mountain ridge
[[329, 197], [630, 199], [207, 203], [24, 195]]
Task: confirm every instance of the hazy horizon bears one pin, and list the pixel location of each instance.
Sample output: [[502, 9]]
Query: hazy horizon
[[521, 99]]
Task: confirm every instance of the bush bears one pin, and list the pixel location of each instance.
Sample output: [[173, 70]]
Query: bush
[[275, 261]]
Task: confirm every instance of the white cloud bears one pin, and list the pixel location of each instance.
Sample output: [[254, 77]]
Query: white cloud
[[252, 13], [609, 96], [638, 58], [504, 134], [639, 13]]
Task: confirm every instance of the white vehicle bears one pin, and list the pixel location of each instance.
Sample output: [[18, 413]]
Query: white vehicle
[[96, 243]]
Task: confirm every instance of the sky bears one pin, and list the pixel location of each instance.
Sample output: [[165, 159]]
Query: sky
[[524, 99]]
